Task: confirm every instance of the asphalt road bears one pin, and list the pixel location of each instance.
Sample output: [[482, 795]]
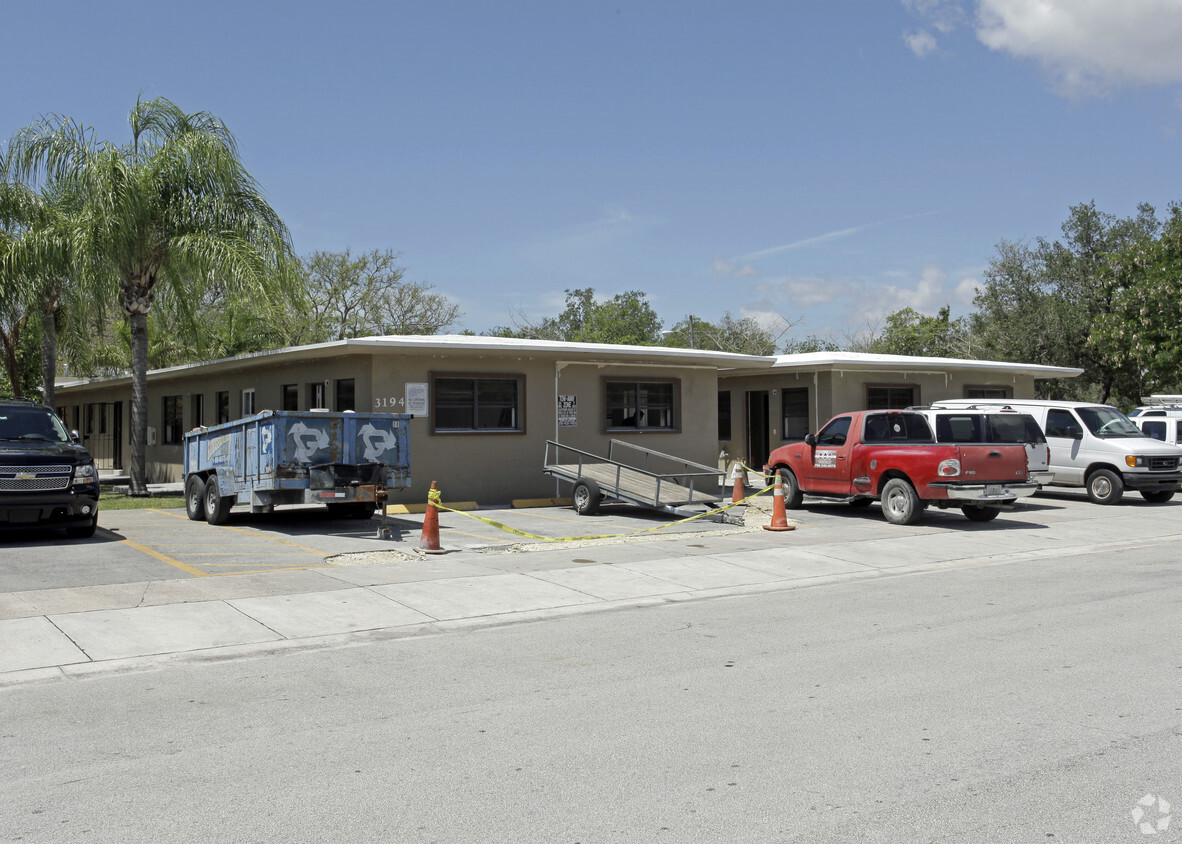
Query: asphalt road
[[1032, 700]]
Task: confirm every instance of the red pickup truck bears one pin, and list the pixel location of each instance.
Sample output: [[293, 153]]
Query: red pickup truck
[[865, 455]]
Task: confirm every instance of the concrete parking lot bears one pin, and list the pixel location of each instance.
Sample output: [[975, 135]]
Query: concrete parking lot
[[153, 585]]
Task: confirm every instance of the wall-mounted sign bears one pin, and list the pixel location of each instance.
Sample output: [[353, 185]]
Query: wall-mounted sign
[[416, 399], [568, 416]]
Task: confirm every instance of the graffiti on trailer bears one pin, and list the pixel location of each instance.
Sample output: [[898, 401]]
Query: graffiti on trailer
[[307, 441], [377, 442]]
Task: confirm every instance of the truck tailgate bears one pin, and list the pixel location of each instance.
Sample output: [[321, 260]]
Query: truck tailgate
[[990, 463]]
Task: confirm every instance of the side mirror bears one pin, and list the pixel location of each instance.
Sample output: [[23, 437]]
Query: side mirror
[[75, 436], [1073, 432], [809, 439]]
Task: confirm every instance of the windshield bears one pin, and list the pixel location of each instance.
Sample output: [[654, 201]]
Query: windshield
[[1107, 423], [32, 424]]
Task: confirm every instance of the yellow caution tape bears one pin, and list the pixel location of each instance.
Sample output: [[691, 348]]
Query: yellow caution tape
[[435, 497]]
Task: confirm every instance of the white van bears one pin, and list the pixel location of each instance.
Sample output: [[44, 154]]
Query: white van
[[1160, 423], [1097, 447]]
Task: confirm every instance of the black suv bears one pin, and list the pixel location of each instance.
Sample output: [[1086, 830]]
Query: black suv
[[46, 478]]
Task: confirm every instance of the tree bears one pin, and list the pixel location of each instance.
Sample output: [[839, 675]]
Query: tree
[[1140, 332], [627, 318], [743, 336], [40, 261], [173, 208], [908, 332], [1039, 304], [346, 296]]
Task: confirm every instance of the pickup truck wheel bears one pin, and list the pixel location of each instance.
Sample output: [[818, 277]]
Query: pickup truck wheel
[[587, 497], [793, 496], [900, 503], [1105, 487], [1157, 496], [195, 499], [980, 514], [217, 507]]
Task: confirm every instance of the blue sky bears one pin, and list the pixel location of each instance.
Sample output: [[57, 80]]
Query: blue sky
[[815, 163]]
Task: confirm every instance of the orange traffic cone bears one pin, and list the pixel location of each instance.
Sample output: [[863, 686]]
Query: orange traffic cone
[[779, 514], [737, 480], [429, 541]]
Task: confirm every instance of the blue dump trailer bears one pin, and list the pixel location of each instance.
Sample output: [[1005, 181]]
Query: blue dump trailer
[[348, 461]]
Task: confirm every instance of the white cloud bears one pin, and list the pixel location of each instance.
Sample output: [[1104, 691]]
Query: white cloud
[[966, 290], [1089, 46], [729, 269], [921, 43]]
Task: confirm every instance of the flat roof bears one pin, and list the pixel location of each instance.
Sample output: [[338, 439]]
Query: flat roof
[[727, 363]]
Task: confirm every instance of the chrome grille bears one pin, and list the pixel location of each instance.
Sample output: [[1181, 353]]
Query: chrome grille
[[34, 478]]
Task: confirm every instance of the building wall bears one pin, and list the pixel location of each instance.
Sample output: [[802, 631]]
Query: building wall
[[489, 467], [832, 392]]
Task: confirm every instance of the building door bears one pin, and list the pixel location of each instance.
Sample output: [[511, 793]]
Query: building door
[[757, 429], [102, 433]]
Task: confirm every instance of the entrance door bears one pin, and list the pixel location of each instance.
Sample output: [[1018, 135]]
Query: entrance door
[[757, 428], [102, 433]]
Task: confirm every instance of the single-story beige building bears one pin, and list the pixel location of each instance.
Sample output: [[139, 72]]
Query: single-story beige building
[[484, 407]]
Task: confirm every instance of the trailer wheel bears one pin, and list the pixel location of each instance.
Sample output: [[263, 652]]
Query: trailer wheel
[[900, 503], [587, 497], [195, 498], [217, 506]]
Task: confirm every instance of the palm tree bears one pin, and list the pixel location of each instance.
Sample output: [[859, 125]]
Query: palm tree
[[174, 208], [39, 263]]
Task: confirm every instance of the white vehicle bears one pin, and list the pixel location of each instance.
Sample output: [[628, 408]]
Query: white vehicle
[[1160, 423], [1097, 447], [984, 423]]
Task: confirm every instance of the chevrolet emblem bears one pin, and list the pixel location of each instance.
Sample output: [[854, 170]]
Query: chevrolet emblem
[[26, 476]]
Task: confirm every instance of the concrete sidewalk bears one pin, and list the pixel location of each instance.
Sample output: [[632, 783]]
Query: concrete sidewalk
[[61, 633]]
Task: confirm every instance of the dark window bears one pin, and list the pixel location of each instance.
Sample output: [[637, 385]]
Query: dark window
[[896, 427], [346, 398], [1156, 429], [477, 404], [640, 404], [315, 395], [1013, 428], [835, 432], [198, 408], [223, 400], [291, 396], [1058, 422], [172, 428], [988, 393], [724, 415], [795, 404], [889, 397]]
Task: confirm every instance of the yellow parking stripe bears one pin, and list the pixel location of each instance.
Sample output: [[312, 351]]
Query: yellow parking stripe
[[163, 558]]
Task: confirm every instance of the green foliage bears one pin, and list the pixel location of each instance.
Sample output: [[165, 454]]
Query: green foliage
[[1039, 304], [346, 296], [908, 332], [811, 343], [1139, 334], [742, 336], [627, 318]]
